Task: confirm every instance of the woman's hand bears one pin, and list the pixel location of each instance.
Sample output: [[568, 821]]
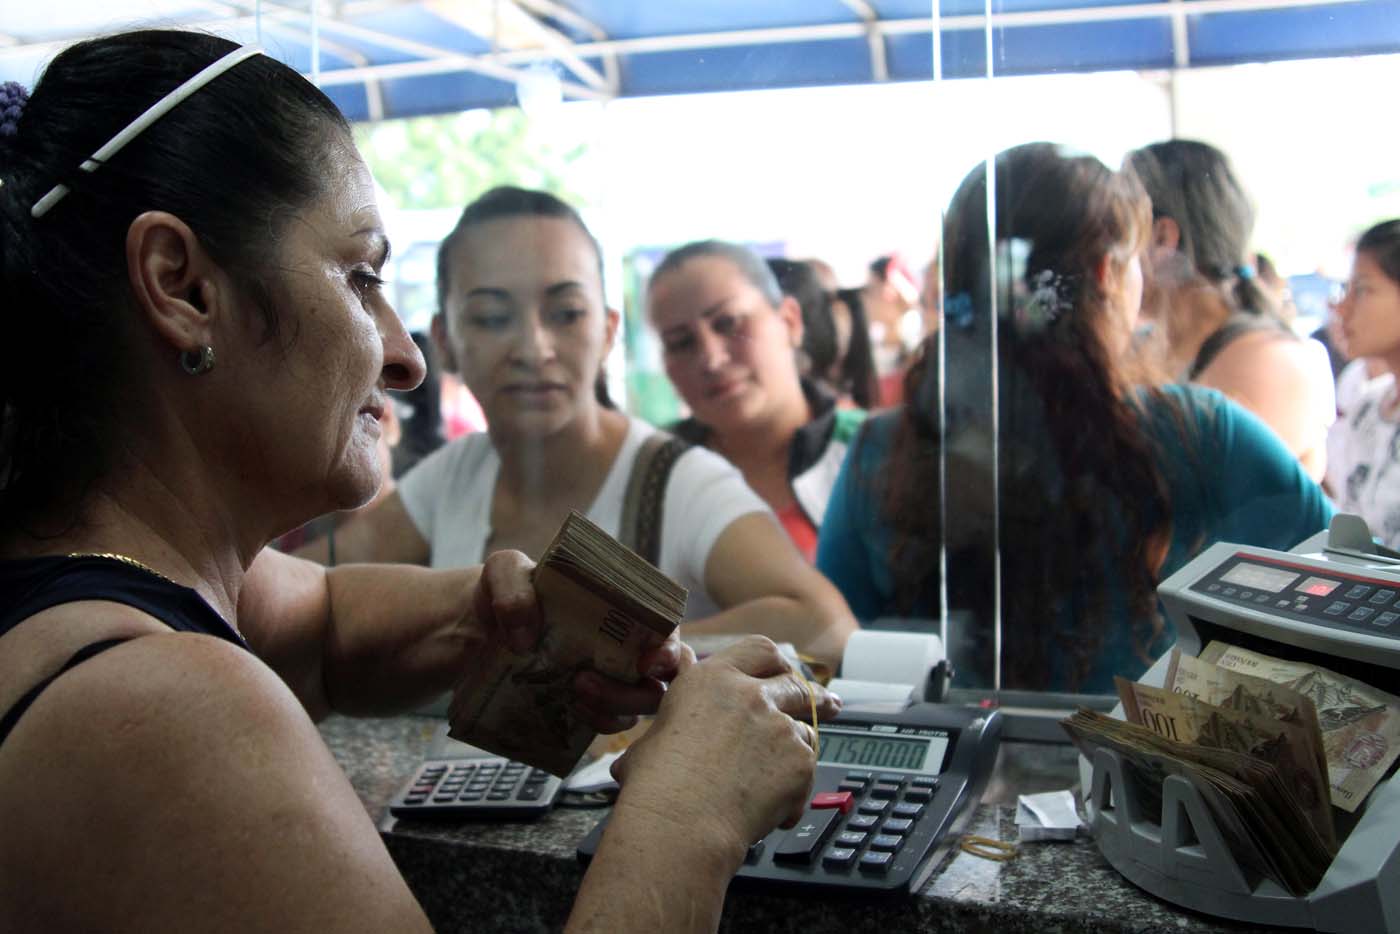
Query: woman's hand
[[731, 748], [508, 613]]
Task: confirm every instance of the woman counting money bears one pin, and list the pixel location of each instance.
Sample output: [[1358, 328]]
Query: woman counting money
[[186, 225]]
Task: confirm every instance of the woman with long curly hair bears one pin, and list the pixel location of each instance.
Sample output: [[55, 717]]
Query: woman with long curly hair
[[1070, 484]]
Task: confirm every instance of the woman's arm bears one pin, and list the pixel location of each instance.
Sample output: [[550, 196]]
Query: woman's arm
[[729, 757], [1279, 380], [374, 639], [766, 587]]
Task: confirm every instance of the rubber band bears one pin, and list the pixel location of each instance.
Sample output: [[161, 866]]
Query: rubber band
[[999, 851], [812, 698]]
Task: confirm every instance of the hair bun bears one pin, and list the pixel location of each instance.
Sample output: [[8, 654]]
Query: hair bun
[[13, 97]]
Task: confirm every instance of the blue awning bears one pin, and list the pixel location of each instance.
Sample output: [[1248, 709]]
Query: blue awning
[[387, 58]]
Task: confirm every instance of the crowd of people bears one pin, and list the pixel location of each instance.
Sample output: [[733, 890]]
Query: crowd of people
[[1093, 390]]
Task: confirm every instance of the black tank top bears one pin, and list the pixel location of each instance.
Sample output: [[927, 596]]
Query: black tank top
[[31, 585]]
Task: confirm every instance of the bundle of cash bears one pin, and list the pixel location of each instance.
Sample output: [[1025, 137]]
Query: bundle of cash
[[603, 606], [1360, 724], [1250, 801], [1272, 745]]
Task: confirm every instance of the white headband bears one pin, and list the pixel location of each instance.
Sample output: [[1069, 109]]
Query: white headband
[[138, 126]]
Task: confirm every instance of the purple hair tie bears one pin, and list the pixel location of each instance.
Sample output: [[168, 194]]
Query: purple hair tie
[[13, 97]]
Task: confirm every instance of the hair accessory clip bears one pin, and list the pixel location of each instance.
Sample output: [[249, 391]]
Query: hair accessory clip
[[13, 97], [138, 126]]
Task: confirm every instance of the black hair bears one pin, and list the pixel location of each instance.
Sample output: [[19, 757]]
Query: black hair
[[1057, 216], [420, 412], [1382, 244], [749, 263], [1194, 184], [857, 369], [234, 161], [502, 203], [798, 280]]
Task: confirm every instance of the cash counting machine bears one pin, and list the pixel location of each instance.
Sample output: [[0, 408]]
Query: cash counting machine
[[1333, 601]]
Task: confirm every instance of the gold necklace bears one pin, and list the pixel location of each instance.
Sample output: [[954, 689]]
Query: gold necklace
[[132, 562]]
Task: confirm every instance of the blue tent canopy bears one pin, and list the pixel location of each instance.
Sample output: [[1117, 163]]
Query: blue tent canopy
[[390, 58]]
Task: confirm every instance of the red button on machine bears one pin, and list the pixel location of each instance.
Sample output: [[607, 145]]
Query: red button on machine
[[842, 800]]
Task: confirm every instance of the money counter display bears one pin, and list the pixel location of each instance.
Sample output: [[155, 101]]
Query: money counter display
[[1324, 620]]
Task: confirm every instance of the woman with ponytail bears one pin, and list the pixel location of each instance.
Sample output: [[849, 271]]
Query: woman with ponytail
[[1098, 483]]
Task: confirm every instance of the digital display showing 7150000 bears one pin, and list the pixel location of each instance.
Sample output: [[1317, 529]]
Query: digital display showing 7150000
[[883, 752]]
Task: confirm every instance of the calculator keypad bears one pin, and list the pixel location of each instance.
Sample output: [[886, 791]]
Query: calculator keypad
[[888, 807], [476, 787]]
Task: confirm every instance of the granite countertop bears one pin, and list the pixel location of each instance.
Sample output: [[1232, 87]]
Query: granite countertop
[[521, 877]]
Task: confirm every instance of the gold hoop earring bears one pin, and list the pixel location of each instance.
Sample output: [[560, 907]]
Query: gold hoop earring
[[197, 362]]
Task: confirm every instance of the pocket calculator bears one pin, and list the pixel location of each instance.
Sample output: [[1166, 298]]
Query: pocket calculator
[[476, 788], [889, 788]]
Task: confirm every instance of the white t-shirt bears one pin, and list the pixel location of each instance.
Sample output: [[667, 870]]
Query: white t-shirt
[[448, 497], [1363, 462]]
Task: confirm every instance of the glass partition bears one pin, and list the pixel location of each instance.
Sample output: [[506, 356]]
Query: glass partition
[[840, 131]]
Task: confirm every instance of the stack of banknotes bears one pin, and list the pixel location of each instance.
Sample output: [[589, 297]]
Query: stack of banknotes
[[1281, 751], [603, 607]]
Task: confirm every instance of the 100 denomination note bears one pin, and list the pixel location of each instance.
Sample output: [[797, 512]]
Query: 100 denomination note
[[1360, 724], [1287, 746]]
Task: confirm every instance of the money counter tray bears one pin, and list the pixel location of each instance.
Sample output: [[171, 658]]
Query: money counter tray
[[1184, 859]]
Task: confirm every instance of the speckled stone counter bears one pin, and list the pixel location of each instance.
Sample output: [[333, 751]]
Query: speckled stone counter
[[521, 877]]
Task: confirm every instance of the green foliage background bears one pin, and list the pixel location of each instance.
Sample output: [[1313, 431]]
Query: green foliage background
[[446, 161]]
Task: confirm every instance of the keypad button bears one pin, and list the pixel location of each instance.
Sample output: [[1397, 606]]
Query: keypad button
[[1246, 595], [498, 796], [1337, 608], [924, 781], [1357, 592], [415, 799], [907, 809], [896, 825], [853, 787], [1283, 604], [876, 806], [876, 861], [803, 840], [444, 798], [919, 795], [470, 795], [1213, 588], [840, 800], [1229, 591], [884, 791], [858, 776], [891, 778], [1385, 620], [1361, 613], [1262, 598], [839, 858], [862, 821], [888, 842], [532, 791], [541, 774], [850, 838], [1382, 596]]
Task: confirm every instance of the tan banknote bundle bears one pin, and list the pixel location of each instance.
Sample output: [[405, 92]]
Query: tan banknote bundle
[[1272, 745], [603, 606]]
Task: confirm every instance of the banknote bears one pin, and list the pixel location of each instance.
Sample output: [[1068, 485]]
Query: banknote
[[1289, 747], [1360, 724], [1247, 797], [603, 607], [1235, 690]]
